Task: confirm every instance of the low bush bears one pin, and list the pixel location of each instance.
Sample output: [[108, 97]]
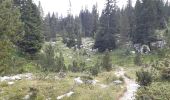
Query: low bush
[[144, 77]]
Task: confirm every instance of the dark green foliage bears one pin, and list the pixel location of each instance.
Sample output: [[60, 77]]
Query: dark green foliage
[[144, 77], [96, 69], [95, 17], [138, 60], [51, 62], [60, 63], [47, 59], [75, 67], [87, 22], [145, 21], [105, 38], [9, 26], [82, 66], [106, 62], [33, 92], [127, 27], [31, 41], [156, 91], [166, 73], [72, 31]]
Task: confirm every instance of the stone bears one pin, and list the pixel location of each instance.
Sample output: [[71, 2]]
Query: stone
[[60, 97], [27, 97], [117, 82], [10, 83], [78, 80], [70, 94], [103, 86]]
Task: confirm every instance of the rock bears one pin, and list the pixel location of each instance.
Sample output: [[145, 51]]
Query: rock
[[17, 77], [133, 52], [78, 80], [27, 97], [62, 74], [67, 94], [93, 82], [10, 83], [103, 86], [88, 59], [60, 97], [145, 49], [48, 99], [5, 78], [117, 82], [70, 57], [70, 93]]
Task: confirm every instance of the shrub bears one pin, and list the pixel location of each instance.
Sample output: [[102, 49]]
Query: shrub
[[74, 67], [166, 73], [47, 59], [144, 77], [96, 69], [60, 63], [156, 91], [138, 60], [106, 62]]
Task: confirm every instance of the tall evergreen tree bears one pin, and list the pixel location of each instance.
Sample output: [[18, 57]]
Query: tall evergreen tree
[[32, 39], [145, 21], [95, 16], [105, 38], [160, 14], [9, 27], [46, 27], [53, 26], [87, 22], [130, 14], [40, 9]]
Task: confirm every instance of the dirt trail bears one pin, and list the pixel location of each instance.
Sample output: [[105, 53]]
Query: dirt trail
[[131, 86]]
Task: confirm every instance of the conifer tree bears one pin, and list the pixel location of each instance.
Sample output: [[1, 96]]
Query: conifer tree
[[105, 38], [106, 61], [9, 27], [145, 21], [95, 16], [32, 39]]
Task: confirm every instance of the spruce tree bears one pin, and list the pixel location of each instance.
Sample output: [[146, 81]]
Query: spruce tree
[[46, 27], [130, 14], [105, 38], [87, 22], [106, 62], [145, 21], [10, 25], [32, 39], [95, 16]]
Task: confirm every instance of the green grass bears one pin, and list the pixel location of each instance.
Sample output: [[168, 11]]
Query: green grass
[[156, 91], [51, 88]]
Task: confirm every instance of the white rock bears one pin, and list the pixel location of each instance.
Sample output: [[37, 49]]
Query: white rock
[[5, 78], [17, 77], [48, 99], [10, 83], [133, 52], [60, 97], [70, 93], [94, 82], [88, 59], [27, 97], [78, 80], [118, 82], [103, 86]]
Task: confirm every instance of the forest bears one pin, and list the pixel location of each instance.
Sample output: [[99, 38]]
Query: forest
[[122, 53]]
